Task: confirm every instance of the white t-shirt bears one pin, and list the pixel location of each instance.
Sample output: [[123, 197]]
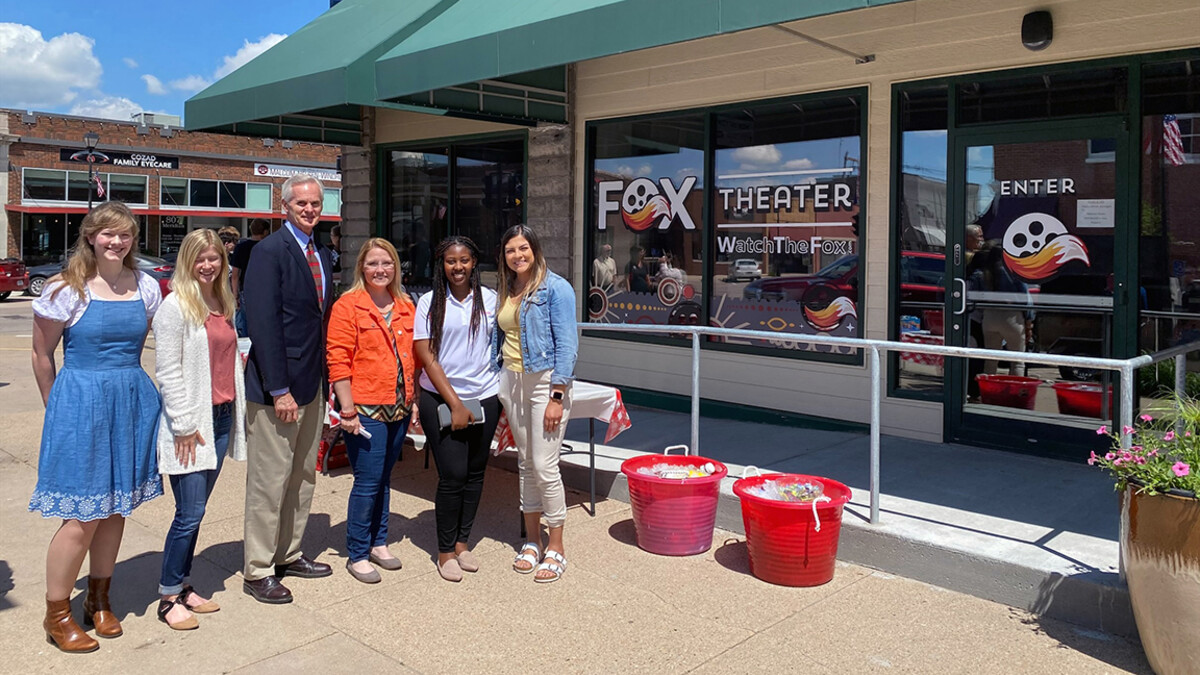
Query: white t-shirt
[[67, 307], [463, 358]]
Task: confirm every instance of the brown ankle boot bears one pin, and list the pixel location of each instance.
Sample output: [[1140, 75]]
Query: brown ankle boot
[[96, 610], [63, 632]]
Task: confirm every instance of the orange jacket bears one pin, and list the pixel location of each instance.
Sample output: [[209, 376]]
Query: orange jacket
[[358, 348]]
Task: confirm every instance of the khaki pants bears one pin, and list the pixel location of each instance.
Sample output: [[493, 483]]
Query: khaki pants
[[525, 396], [1003, 329], [281, 472]]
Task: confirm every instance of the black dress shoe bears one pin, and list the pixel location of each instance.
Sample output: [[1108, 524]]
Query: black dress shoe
[[267, 590], [305, 568]]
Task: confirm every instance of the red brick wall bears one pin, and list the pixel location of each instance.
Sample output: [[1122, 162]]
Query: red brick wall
[[69, 131]]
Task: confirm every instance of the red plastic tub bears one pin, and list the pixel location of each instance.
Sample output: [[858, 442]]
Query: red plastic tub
[[1010, 391], [673, 516], [782, 537], [1084, 399]]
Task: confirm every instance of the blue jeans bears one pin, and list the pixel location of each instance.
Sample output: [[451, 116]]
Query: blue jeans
[[370, 497], [191, 492]]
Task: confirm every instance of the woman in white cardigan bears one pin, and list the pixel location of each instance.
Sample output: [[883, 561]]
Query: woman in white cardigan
[[200, 374]]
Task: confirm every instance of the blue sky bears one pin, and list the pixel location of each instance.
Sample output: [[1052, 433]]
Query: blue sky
[[112, 59]]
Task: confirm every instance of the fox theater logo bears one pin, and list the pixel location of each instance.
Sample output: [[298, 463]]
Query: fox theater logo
[[1037, 245], [645, 204]]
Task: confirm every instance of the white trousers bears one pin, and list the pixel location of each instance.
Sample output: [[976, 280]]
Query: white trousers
[[525, 396]]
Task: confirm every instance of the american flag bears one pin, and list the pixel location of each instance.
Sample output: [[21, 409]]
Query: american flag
[[99, 186], [1172, 141]]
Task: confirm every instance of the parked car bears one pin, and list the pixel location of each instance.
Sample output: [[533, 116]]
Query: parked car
[[156, 267], [921, 280], [13, 277], [744, 268]]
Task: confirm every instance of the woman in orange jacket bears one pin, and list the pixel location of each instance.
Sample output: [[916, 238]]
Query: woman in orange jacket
[[371, 366]]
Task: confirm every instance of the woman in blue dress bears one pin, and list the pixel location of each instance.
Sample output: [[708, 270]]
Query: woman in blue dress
[[97, 461]]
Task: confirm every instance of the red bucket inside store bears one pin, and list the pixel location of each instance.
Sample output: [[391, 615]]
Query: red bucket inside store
[[1010, 391]]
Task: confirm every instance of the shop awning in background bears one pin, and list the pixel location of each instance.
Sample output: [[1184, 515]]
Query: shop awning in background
[[472, 58]]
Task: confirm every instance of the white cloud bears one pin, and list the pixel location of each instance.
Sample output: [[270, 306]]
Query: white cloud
[[107, 107], [40, 73], [191, 83], [798, 164], [757, 155], [624, 171], [644, 170], [154, 85], [130, 62], [248, 51]]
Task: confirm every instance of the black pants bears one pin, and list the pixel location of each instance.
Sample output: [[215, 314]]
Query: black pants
[[461, 458]]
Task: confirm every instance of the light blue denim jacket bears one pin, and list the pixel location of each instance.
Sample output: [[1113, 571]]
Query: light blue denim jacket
[[549, 339]]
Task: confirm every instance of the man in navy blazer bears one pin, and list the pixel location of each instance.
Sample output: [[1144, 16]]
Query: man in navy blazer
[[287, 294]]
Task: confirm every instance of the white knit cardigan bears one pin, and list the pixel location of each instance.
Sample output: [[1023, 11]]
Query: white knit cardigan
[[184, 377]]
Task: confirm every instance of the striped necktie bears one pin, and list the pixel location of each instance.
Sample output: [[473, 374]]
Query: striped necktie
[[315, 268]]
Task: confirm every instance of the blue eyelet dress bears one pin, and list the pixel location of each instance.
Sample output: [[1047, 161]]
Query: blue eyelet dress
[[98, 441]]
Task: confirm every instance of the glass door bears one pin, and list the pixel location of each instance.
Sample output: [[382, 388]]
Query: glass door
[[1036, 265]]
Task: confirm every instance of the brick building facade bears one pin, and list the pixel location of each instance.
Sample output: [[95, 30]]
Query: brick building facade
[[175, 180]]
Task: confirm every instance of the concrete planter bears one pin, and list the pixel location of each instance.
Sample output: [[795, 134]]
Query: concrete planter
[[1160, 548]]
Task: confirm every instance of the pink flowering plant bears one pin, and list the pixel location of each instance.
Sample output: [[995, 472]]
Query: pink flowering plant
[[1163, 453]]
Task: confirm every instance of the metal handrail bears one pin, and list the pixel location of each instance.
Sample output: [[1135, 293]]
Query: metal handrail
[[874, 348]]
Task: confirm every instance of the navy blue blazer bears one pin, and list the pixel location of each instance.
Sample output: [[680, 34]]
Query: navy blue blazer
[[285, 324]]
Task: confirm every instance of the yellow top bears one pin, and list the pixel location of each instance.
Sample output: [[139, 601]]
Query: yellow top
[[509, 318]]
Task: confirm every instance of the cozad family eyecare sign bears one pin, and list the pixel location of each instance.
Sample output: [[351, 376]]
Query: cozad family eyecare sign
[[133, 160]]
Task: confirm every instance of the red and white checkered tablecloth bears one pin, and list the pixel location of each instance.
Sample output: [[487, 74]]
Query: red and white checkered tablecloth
[[588, 399], [924, 339]]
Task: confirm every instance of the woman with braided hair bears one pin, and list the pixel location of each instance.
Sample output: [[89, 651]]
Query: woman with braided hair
[[452, 338]]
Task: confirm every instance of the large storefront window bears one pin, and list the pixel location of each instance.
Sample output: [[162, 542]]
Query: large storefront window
[[777, 247], [73, 186], [1169, 272], [418, 199], [474, 189], [488, 194], [786, 205], [648, 178]]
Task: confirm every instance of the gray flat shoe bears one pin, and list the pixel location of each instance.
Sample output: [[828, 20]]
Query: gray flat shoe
[[371, 577], [450, 570], [468, 562], [390, 564]]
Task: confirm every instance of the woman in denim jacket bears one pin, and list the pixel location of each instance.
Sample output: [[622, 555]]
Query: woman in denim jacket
[[534, 348]]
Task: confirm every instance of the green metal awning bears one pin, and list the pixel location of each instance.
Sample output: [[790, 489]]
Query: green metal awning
[[484, 40], [311, 84], [473, 58]]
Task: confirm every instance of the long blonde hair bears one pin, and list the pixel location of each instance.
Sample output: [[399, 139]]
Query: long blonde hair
[[187, 288], [81, 263], [360, 277], [509, 277]]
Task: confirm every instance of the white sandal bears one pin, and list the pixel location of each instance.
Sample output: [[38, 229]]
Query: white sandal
[[531, 558], [555, 563]]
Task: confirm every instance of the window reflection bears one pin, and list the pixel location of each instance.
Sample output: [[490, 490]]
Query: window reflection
[[648, 180], [1169, 255]]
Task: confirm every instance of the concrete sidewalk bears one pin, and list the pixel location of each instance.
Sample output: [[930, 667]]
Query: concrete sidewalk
[[617, 609], [1037, 534]]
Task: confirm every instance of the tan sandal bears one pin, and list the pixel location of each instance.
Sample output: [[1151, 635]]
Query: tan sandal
[[164, 608], [207, 607]]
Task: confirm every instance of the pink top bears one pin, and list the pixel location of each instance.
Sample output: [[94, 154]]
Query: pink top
[[222, 350]]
